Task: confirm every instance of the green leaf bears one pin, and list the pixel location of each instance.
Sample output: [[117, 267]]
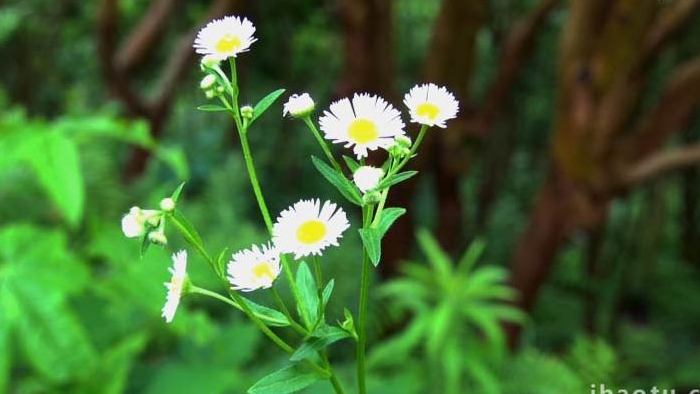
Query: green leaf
[[437, 257], [286, 380], [174, 158], [53, 340], [327, 291], [212, 108], [270, 316], [57, 165], [471, 256], [351, 163], [372, 240], [394, 179], [112, 372], [349, 323], [344, 186], [221, 261], [264, 104], [308, 295], [176, 194], [319, 341], [5, 349], [187, 230], [387, 219]]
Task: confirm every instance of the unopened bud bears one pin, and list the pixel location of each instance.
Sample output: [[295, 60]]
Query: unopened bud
[[372, 197], [208, 62], [403, 141], [158, 237], [167, 204], [247, 112], [207, 82]]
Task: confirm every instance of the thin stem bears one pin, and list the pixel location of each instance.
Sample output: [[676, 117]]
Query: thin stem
[[324, 146], [253, 176], [280, 303], [333, 378], [239, 300], [414, 148], [362, 318]]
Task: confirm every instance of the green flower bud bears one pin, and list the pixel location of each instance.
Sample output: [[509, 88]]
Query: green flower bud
[[209, 62], [247, 112], [371, 198], [403, 141]]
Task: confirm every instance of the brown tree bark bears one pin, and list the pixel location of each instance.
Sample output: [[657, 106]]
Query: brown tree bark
[[118, 65], [367, 47], [604, 56]]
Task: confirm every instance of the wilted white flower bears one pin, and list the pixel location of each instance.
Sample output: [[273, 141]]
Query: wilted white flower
[[431, 105], [366, 123], [367, 177], [224, 38], [176, 286], [307, 227], [254, 268], [298, 105]]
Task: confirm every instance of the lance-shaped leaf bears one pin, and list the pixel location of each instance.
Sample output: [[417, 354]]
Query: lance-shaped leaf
[[372, 241], [289, 379], [344, 186], [264, 104]]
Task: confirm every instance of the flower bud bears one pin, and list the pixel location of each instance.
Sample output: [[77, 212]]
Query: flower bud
[[371, 198], [207, 82], [210, 94], [208, 62], [299, 106], [167, 204], [158, 237], [367, 177], [247, 112], [403, 141]]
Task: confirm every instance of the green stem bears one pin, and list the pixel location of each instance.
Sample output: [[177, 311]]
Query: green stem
[[362, 318], [414, 148], [280, 303], [239, 300], [322, 143], [253, 176], [333, 378]]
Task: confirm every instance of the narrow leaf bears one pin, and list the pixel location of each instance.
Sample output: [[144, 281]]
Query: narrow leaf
[[176, 194], [351, 163], [372, 241], [286, 380], [265, 103], [270, 316], [308, 295], [314, 344], [212, 108], [389, 216], [187, 230], [344, 186], [436, 256], [327, 291], [396, 178]]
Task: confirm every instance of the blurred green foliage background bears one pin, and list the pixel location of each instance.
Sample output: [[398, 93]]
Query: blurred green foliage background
[[80, 309]]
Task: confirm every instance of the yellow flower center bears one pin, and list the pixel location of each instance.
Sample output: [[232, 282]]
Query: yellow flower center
[[428, 110], [363, 131], [311, 232], [263, 270], [228, 43]]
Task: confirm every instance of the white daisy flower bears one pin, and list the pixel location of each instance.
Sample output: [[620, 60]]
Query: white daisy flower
[[255, 268], [307, 227], [299, 105], [134, 222], [224, 38], [431, 105], [176, 285], [367, 177], [367, 123]]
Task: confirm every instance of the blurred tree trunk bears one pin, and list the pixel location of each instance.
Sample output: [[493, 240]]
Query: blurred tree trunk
[[450, 62], [119, 65], [367, 48], [605, 51]]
